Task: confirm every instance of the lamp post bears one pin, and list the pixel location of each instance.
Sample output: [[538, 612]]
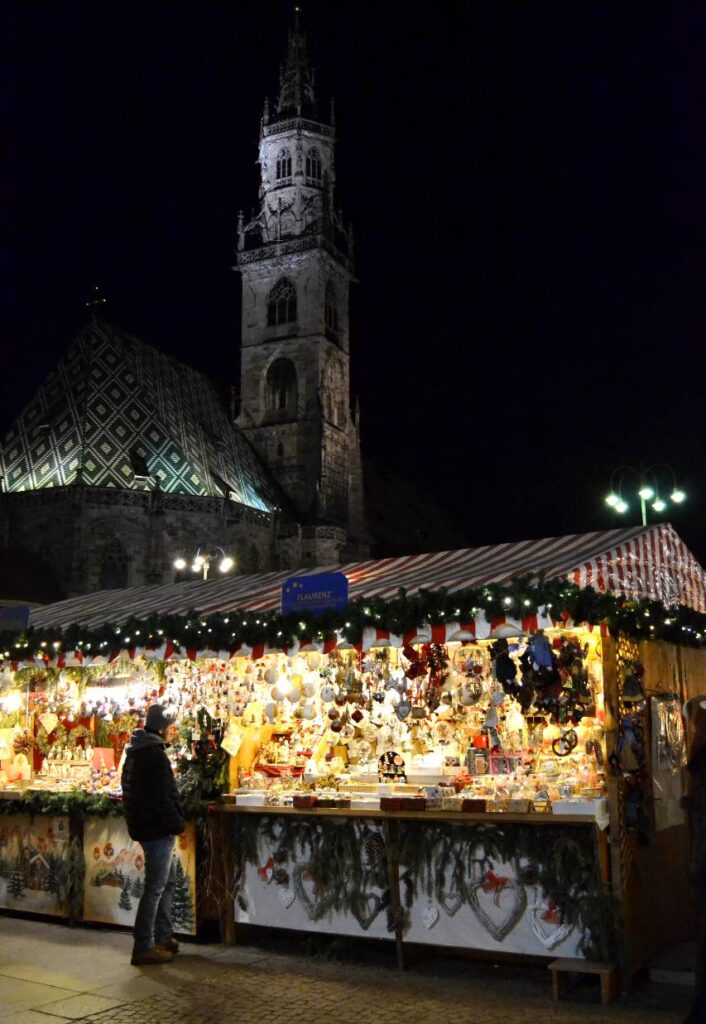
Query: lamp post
[[648, 490], [202, 561]]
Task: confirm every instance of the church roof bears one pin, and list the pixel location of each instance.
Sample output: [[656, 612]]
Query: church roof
[[118, 413]]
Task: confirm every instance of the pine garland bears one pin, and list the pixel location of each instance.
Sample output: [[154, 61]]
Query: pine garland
[[641, 619], [434, 857]]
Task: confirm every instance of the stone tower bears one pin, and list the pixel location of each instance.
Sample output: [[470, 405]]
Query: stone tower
[[295, 258]]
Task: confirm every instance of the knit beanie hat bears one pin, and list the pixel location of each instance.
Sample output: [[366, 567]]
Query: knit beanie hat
[[158, 718]]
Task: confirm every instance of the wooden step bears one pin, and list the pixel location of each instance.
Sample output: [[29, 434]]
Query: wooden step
[[607, 973]]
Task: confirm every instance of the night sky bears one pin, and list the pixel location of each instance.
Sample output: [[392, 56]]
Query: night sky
[[527, 184]]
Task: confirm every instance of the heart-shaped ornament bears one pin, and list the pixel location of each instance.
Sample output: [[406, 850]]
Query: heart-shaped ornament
[[49, 721], [429, 914], [286, 895], [547, 925], [451, 902], [403, 709], [369, 909], [498, 903]]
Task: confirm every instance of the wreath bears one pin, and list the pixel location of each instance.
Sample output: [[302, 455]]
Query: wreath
[[44, 743], [80, 732]]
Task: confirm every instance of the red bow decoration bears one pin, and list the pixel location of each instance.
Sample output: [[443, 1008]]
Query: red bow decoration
[[494, 883], [265, 872], [551, 914]]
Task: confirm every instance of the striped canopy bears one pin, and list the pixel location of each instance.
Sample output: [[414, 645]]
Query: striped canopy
[[651, 562]]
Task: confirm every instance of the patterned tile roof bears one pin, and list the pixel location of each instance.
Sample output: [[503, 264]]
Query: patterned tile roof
[[123, 411]]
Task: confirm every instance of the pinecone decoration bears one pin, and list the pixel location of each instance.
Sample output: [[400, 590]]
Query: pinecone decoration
[[374, 849], [22, 743]]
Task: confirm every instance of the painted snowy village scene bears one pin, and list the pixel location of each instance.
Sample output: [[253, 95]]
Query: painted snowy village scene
[[115, 874], [32, 854]]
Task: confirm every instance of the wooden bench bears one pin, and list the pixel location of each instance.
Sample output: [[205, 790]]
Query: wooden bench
[[608, 974]]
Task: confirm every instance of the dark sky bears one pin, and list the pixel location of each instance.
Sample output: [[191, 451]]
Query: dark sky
[[527, 183]]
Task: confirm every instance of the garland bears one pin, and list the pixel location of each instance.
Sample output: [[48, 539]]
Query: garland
[[643, 619], [345, 864], [57, 804], [43, 742]]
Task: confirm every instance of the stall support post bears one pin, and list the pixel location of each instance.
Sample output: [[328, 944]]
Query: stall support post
[[393, 878], [223, 863]]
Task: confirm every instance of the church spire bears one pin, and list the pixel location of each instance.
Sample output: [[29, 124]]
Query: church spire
[[296, 79]]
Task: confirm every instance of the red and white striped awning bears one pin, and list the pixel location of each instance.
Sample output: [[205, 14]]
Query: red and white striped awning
[[641, 562]]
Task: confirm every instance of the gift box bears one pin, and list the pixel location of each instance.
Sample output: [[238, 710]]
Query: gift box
[[304, 800], [413, 803], [390, 803], [473, 805]]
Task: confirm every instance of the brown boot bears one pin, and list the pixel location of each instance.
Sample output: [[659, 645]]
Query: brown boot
[[171, 944], [156, 955]]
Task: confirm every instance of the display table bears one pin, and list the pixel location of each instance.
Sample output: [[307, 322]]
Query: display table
[[529, 885]]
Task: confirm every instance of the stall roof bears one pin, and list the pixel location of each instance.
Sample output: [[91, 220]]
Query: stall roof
[[648, 562]]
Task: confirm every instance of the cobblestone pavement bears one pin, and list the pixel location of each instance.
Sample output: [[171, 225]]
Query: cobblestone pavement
[[250, 986], [50, 974]]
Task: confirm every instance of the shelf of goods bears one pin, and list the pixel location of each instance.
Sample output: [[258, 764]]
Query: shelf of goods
[[455, 794]]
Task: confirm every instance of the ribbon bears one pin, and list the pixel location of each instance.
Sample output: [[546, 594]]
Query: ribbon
[[551, 914], [495, 884], [265, 872]]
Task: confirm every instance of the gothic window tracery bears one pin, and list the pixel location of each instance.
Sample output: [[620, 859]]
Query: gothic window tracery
[[313, 165], [281, 388], [331, 306], [333, 396], [282, 303], [284, 164], [114, 565]]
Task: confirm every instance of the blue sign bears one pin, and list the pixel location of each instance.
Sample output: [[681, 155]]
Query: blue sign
[[315, 594], [14, 618]]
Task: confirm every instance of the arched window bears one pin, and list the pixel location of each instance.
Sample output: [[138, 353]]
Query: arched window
[[282, 303], [284, 164], [313, 165], [331, 312], [281, 388], [114, 566]]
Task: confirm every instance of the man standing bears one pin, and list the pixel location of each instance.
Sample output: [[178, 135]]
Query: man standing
[[154, 818]]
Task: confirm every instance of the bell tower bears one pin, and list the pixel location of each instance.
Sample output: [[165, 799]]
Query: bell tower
[[296, 261]]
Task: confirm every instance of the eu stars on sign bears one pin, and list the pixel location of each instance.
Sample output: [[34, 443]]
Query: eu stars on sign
[[315, 594]]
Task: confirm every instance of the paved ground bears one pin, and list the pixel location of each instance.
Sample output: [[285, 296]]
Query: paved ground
[[50, 974]]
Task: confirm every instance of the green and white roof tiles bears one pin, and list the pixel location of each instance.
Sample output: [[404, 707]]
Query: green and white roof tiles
[[117, 409]]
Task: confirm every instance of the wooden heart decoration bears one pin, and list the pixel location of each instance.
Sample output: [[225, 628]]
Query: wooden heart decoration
[[429, 914], [371, 907], [286, 896], [451, 902], [547, 926], [508, 898], [300, 873]]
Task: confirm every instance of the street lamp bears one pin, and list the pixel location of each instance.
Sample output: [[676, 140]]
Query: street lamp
[[203, 559], [648, 478]]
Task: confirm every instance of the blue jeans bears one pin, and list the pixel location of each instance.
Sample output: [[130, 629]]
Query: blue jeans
[[153, 923]]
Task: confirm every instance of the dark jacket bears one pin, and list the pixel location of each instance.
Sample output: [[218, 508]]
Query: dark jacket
[[150, 798]]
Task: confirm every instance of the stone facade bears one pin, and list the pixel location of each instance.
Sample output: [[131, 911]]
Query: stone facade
[[295, 258], [98, 538]]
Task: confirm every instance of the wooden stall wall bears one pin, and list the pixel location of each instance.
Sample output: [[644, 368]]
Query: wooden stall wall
[[650, 874]]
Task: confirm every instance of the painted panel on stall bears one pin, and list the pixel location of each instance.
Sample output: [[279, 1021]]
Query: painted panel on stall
[[32, 855], [115, 875]]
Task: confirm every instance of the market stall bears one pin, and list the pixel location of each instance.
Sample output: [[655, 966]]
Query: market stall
[[468, 750]]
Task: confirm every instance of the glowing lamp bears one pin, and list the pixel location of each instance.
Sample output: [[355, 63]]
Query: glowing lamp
[[180, 563], [622, 506], [659, 505], [646, 493], [677, 496], [613, 500], [226, 564]]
